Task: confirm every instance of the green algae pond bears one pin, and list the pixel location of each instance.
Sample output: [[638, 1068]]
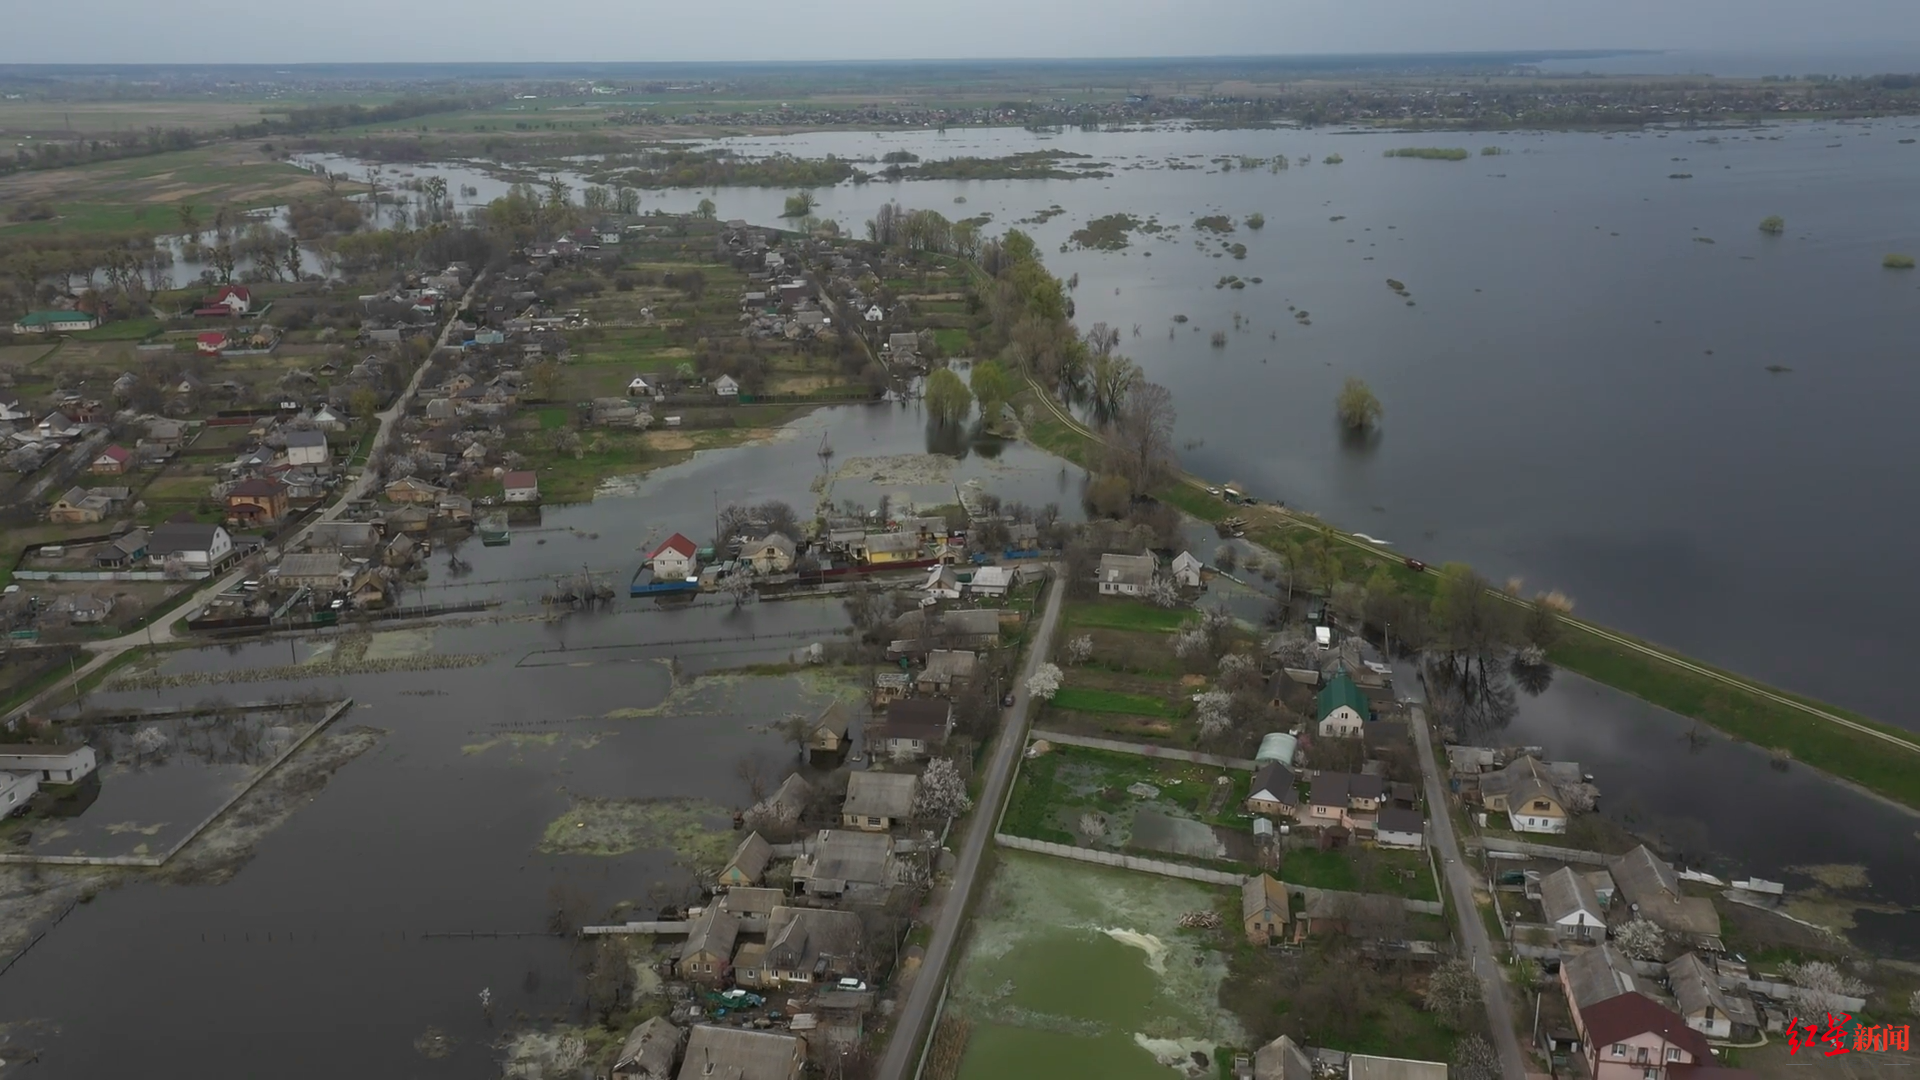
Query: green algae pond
[[1076, 970]]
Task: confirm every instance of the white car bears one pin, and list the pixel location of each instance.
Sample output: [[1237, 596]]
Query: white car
[[1214, 491], [850, 984]]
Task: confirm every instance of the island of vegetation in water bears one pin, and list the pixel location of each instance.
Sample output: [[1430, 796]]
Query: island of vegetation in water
[[1110, 233], [1429, 153], [1029, 165]]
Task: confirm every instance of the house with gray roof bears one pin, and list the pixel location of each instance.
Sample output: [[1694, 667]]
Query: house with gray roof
[[878, 801], [729, 1053], [843, 863], [1652, 891], [1597, 974], [649, 1052], [1573, 911], [707, 955], [1706, 1006], [749, 861], [1126, 575]]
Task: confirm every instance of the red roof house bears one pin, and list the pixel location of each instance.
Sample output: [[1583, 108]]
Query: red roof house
[[211, 342], [230, 301], [673, 560], [520, 486], [111, 462], [1632, 1037]]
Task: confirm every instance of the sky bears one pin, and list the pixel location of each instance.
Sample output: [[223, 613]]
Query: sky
[[285, 31]]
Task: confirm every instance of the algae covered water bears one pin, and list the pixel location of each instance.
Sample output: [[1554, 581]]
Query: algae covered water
[[1076, 970]]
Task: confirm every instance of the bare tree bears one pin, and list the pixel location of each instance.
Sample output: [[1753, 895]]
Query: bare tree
[[1080, 649], [1143, 448], [797, 729], [750, 771]]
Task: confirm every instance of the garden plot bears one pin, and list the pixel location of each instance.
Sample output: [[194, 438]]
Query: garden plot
[[1092, 798]]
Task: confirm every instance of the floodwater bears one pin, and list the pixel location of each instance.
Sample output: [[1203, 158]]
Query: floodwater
[[1580, 395], [1075, 970]]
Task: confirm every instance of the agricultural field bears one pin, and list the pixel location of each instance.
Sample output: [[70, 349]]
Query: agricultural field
[[141, 194]]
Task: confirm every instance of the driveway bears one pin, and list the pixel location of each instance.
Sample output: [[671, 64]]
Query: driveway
[[927, 982]]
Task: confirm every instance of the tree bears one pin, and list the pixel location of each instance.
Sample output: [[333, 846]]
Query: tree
[[1474, 1059], [189, 221], [1256, 221], [1819, 986], [1773, 225], [991, 387], [1641, 939], [1143, 450], [1212, 713], [547, 377], [799, 205], [1358, 409], [1080, 649], [948, 399], [292, 257], [706, 210], [737, 588], [943, 792], [1453, 993], [222, 259], [1163, 593], [1226, 557], [363, 402], [1044, 682]]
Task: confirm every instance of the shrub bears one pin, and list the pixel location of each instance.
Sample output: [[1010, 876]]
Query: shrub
[[1897, 262], [1773, 225]]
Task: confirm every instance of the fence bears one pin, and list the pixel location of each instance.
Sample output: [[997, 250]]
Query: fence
[[1544, 851], [1119, 861], [110, 575], [160, 860], [1167, 752]]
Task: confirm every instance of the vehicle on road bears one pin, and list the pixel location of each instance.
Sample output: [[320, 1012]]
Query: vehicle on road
[[1416, 566], [850, 984], [1214, 491]]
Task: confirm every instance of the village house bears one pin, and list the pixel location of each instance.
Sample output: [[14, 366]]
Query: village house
[[707, 955], [112, 461], [855, 865], [881, 549], [1263, 909], [890, 686], [829, 733], [412, 489], [198, 547], [1341, 707], [255, 502], [1186, 570], [54, 322], [231, 301], [82, 609], [727, 1053], [912, 730], [1573, 912], [16, 790], [771, 554], [1630, 1036], [649, 1052], [321, 571], [1649, 885], [1705, 1005], [991, 581], [308, 447], [674, 559], [356, 539], [1399, 827], [1346, 799], [924, 632], [122, 551], [82, 506], [412, 518], [784, 806], [1526, 793], [1281, 1059], [947, 671], [58, 425], [903, 348], [749, 862], [66, 763], [877, 801], [804, 947], [520, 486], [210, 343], [726, 386], [1127, 575], [1274, 791]]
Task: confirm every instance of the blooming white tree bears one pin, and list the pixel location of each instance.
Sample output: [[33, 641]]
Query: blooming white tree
[[1080, 649], [1044, 682], [149, 740], [1163, 593], [943, 793], [1190, 642], [1641, 940], [1819, 986], [1212, 711], [1453, 992], [1474, 1059]]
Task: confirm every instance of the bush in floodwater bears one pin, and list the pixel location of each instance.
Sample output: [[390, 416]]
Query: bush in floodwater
[[1897, 262], [1491, 151], [1332, 159], [1219, 223], [1219, 339], [1773, 225], [1430, 153], [1256, 221], [1179, 318]]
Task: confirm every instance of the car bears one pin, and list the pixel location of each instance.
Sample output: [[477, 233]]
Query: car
[[1007, 701], [1214, 491], [850, 984], [1416, 566], [339, 605], [250, 585]]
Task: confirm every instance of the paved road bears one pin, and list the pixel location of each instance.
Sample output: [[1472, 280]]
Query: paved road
[[913, 1016], [105, 651], [1473, 932]]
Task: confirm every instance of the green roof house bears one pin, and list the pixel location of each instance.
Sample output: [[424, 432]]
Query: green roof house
[[54, 322], [1342, 708]]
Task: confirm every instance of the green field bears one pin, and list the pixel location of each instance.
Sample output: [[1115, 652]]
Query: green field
[[141, 194], [1087, 699], [1125, 615], [1366, 870]]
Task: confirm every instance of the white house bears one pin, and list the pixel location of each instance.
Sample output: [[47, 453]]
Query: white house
[[307, 448], [1127, 575], [520, 486], [1571, 908], [874, 314], [54, 322], [639, 387], [63, 764], [15, 790], [199, 547], [992, 581], [1399, 827], [673, 560], [725, 386], [1186, 570]]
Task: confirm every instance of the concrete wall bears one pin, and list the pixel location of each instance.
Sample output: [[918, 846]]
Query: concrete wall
[[1119, 861], [107, 575], [1164, 752], [1544, 851]]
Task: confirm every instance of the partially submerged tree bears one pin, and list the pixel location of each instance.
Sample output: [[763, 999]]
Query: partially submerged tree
[[1357, 406], [948, 399]]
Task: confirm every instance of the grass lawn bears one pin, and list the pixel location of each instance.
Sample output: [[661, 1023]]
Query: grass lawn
[[1125, 615], [1088, 699], [123, 330], [952, 341], [1370, 870], [1867, 761], [1071, 776]]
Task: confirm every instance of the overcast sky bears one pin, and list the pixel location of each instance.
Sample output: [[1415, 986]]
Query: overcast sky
[[282, 31]]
